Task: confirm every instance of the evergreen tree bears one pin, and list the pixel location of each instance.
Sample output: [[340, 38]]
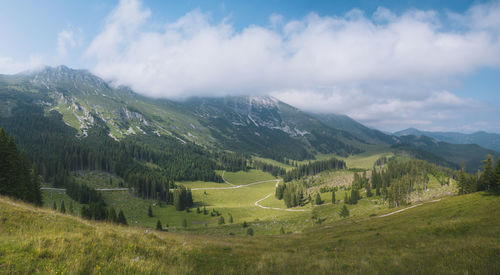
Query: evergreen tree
[[198, 211], [230, 218], [245, 224], [189, 198], [250, 231], [121, 218], [318, 200], [150, 211], [54, 206], [158, 225], [184, 223], [333, 197], [205, 212], [282, 230], [368, 190], [221, 220], [497, 175], [71, 209], [112, 215], [63, 207], [344, 212], [488, 177]]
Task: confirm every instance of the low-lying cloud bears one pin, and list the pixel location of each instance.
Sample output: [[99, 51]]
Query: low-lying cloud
[[374, 67]]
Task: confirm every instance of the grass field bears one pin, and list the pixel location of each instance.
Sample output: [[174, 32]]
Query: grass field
[[240, 203], [455, 235]]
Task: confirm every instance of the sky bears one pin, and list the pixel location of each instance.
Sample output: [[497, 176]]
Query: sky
[[391, 65]]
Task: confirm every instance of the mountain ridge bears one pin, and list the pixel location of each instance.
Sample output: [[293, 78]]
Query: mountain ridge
[[481, 138]]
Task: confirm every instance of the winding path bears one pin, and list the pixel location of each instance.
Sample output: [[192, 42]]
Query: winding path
[[231, 187], [401, 210]]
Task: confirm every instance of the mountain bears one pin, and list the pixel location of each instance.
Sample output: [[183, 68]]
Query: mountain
[[256, 125], [345, 123], [483, 139], [445, 153], [66, 106]]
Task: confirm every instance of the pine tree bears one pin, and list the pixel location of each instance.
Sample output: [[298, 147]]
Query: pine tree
[[184, 223], [150, 211], [158, 225], [198, 211], [230, 218], [487, 179], [282, 230], [112, 215], [344, 212], [63, 208], [318, 200], [121, 218], [54, 206], [221, 220], [333, 197], [368, 189], [250, 231], [497, 175], [245, 224], [71, 209], [189, 198]]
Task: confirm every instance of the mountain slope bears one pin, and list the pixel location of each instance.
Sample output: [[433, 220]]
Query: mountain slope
[[470, 154], [483, 139], [345, 123], [246, 124], [269, 127]]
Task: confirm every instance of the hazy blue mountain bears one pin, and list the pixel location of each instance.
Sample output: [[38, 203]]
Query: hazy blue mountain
[[470, 154], [483, 139]]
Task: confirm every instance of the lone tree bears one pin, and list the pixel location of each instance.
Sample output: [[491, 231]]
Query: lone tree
[[150, 211], [318, 200], [158, 225], [333, 197], [121, 218], [344, 212], [63, 207]]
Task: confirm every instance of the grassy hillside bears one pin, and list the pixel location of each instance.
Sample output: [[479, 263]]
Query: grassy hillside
[[454, 235]]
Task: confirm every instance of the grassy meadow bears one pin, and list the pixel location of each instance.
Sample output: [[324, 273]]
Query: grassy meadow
[[457, 234]]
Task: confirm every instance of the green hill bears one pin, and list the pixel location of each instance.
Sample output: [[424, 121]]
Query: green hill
[[453, 235]]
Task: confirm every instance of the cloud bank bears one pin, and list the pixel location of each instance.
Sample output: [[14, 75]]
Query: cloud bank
[[374, 67]]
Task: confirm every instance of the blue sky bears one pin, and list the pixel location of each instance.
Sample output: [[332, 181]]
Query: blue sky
[[432, 65]]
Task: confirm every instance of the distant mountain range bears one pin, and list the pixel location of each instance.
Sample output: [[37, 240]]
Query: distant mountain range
[[483, 139]]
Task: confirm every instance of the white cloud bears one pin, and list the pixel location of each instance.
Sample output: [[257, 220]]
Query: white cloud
[[372, 67], [11, 66], [67, 39]]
